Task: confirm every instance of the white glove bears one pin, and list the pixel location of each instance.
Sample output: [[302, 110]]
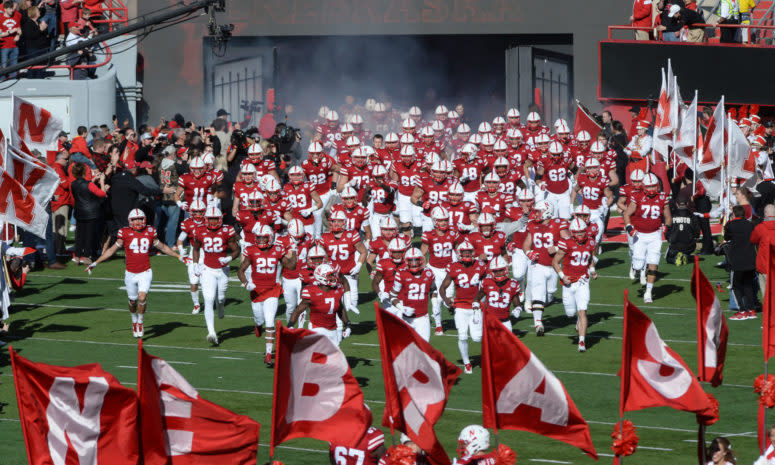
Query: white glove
[[347, 332], [463, 177], [465, 227], [399, 307], [476, 306], [183, 205], [250, 286], [225, 260], [197, 269], [91, 266], [383, 296], [351, 307], [516, 311], [356, 269], [477, 316], [407, 311], [306, 212]]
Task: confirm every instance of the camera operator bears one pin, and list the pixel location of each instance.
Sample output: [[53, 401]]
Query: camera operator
[[236, 152], [287, 140], [683, 233]]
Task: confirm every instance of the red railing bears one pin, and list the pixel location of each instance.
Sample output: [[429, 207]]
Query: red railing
[[114, 13], [108, 56], [713, 40]]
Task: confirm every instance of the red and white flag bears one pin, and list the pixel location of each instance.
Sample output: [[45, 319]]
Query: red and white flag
[[315, 394], [653, 375], [712, 155], [417, 383], [742, 161], [181, 428], [712, 331], [76, 414], [585, 122], [19, 207], [520, 393], [663, 127], [37, 178], [686, 137], [34, 127]]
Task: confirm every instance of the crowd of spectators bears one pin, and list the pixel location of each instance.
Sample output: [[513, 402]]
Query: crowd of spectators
[[684, 21], [30, 28]]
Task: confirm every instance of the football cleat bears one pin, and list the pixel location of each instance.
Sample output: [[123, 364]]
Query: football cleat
[[212, 338], [582, 346], [134, 329], [739, 316], [540, 329], [196, 310], [647, 298], [259, 330], [632, 274], [269, 360], [439, 331], [140, 330], [468, 369]]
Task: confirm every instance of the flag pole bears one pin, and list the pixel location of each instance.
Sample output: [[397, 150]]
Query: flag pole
[[701, 444], [700, 356], [278, 346], [623, 384], [694, 150]]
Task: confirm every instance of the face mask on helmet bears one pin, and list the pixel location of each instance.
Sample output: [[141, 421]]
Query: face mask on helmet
[[455, 198], [274, 196], [593, 172], [359, 161], [214, 222], [542, 147], [580, 236], [441, 224], [466, 255], [349, 202], [652, 190], [296, 178], [533, 125], [198, 215], [414, 265], [315, 157], [263, 241], [198, 172], [526, 204], [337, 226], [388, 233], [439, 176], [397, 256], [313, 261], [486, 229], [138, 224], [500, 274], [492, 186], [501, 170]]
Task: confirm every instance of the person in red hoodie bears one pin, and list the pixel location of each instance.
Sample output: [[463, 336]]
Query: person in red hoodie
[[763, 236], [61, 203], [641, 17]]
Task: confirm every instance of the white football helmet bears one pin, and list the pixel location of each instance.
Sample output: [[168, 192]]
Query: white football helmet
[[499, 267], [137, 219], [473, 439], [441, 110], [325, 275], [545, 210], [484, 128], [296, 229]]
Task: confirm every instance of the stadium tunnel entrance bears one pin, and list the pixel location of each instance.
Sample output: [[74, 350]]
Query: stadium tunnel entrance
[[482, 72]]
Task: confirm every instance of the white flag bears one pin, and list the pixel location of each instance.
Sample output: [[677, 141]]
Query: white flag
[[686, 136], [741, 162], [36, 177], [34, 127], [19, 207], [715, 140]]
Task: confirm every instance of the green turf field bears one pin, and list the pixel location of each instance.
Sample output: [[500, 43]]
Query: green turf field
[[69, 318]]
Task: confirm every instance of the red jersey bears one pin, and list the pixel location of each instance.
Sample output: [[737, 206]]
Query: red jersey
[[648, 216], [495, 204], [471, 170], [323, 305], [555, 174], [389, 270], [413, 290], [466, 280], [460, 214], [8, 24], [355, 217], [306, 273], [628, 190], [434, 192], [263, 166], [298, 198], [137, 246], [487, 459], [264, 264], [190, 226], [214, 243], [518, 239], [275, 210], [242, 191], [509, 182], [575, 263], [498, 297], [592, 190], [361, 454], [341, 251], [248, 221], [579, 155], [545, 236], [383, 197], [320, 174], [198, 188], [380, 248], [360, 176], [488, 246], [408, 177], [288, 243], [518, 157], [440, 247]]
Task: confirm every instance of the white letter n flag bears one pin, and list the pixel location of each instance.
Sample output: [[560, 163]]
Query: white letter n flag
[[519, 392], [75, 415]]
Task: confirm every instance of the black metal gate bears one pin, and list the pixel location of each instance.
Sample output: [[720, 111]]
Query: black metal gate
[[238, 83], [553, 77]]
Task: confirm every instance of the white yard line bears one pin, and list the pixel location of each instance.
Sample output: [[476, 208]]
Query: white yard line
[[228, 358]]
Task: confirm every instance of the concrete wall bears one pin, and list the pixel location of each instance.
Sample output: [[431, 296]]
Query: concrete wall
[[173, 66]]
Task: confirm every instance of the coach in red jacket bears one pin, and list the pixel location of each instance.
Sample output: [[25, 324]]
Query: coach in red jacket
[[763, 235], [641, 17]]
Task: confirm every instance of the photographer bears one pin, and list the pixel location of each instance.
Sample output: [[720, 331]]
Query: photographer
[[741, 257], [236, 152], [289, 153], [682, 234], [82, 56]]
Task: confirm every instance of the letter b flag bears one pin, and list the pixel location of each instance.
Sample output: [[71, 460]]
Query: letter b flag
[[75, 415], [520, 393]]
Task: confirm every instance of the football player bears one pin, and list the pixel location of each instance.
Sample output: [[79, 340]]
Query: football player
[[440, 242], [406, 173], [356, 173], [574, 264], [595, 193], [468, 171], [520, 216], [264, 259], [187, 229], [218, 243], [264, 166], [540, 245], [380, 195], [625, 191], [486, 240], [274, 203], [647, 212], [411, 289], [196, 184], [368, 451], [510, 180], [321, 171], [246, 185], [386, 271], [513, 119], [492, 200], [357, 215], [554, 173], [301, 199], [466, 274], [347, 252], [137, 240], [500, 292], [325, 301], [378, 248], [432, 190], [296, 239], [472, 445], [254, 215], [463, 214]]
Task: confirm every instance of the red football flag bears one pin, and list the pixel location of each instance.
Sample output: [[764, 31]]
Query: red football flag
[[519, 392], [653, 374], [181, 428], [417, 383], [768, 325], [585, 122], [76, 414], [712, 331], [315, 393]]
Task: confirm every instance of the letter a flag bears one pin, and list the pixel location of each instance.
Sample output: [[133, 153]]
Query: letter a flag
[[653, 375], [520, 393], [34, 127], [315, 393], [712, 331], [181, 428], [417, 383], [76, 414]]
